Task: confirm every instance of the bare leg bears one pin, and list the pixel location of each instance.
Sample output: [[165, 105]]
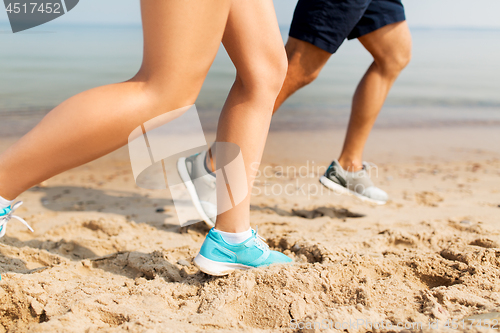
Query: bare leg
[[390, 47], [305, 62], [181, 40], [253, 41]]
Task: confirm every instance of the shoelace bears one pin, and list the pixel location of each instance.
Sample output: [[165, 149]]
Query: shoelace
[[6, 218], [261, 241]]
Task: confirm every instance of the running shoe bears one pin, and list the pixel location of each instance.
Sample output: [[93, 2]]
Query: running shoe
[[218, 258], [6, 214], [357, 183], [200, 184]]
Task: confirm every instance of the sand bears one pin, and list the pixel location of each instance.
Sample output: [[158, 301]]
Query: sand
[[107, 256]]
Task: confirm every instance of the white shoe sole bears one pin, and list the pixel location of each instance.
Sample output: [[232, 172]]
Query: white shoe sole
[[340, 189], [184, 174], [216, 268]]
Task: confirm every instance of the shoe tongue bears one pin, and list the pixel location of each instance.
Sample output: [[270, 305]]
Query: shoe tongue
[[252, 239], [363, 169], [349, 170], [360, 172]]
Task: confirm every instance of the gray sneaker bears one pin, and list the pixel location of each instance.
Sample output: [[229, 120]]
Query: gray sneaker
[[357, 183], [200, 184]]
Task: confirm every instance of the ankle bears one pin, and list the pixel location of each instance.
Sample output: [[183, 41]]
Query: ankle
[[233, 223], [235, 237], [232, 228], [350, 165], [209, 161]]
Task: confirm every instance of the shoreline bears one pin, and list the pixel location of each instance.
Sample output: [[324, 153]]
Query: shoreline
[[385, 146], [17, 123]]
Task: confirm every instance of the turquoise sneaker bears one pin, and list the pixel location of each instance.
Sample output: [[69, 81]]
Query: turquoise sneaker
[[6, 215], [219, 258]]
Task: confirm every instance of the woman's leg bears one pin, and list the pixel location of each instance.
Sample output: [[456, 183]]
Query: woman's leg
[[253, 41], [181, 39]]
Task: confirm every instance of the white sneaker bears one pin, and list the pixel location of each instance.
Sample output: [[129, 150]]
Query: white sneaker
[[357, 183], [200, 184]]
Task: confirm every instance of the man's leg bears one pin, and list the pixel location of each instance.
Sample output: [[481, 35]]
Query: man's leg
[[305, 62], [390, 47], [391, 50]]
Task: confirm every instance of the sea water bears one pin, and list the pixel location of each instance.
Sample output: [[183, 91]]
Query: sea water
[[453, 76]]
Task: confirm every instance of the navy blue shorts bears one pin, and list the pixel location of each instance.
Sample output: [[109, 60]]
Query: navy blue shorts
[[327, 23]]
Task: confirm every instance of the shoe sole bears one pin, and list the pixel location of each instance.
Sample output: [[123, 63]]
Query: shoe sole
[[184, 174], [217, 268], [340, 189]]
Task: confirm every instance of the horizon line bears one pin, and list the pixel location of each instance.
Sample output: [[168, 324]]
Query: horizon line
[[138, 24]]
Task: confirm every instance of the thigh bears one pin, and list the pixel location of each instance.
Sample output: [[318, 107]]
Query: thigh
[[389, 41], [252, 37], [181, 39]]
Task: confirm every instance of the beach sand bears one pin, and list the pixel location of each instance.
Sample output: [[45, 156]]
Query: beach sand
[[108, 256]]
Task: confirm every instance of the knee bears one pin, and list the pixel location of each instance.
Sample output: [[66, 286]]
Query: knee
[[305, 62], [301, 76], [276, 69], [392, 63], [265, 78]]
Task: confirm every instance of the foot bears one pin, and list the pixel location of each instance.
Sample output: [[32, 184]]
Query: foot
[[357, 183], [200, 185], [6, 215], [218, 258]]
